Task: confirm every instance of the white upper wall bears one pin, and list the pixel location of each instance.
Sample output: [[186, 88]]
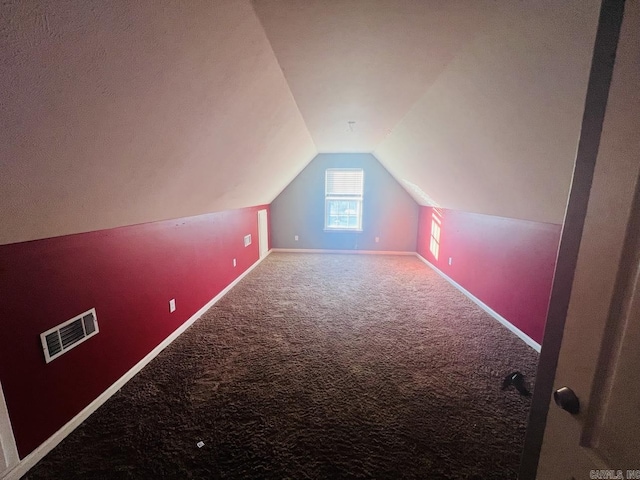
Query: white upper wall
[[116, 113], [497, 132]]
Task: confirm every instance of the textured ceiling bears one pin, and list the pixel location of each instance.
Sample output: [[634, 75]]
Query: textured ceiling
[[365, 61], [472, 105], [498, 130], [116, 113]]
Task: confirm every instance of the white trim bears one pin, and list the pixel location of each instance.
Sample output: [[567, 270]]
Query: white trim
[[39, 453], [523, 336], [263, 232], [358, 252], [8, 449]]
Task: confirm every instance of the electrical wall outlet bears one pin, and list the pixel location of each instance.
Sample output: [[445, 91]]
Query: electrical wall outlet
[[295, 238], [172, 305], [377, 239], [234, 262], [450, 260]]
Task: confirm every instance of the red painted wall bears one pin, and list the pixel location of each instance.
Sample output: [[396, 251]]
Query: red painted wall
[[506, 263], [128, 274]]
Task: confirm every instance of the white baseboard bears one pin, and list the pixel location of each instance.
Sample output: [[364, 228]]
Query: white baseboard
[[526, 338], [39, 453], [356, 252]]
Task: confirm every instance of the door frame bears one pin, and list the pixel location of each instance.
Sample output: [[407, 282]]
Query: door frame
[[263, 232], [605, 46], [8, 450]]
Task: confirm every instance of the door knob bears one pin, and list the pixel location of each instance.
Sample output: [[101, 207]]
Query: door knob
[[567, 400]]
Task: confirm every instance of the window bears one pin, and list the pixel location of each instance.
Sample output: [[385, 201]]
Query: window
[[343, 199], [436, 227]]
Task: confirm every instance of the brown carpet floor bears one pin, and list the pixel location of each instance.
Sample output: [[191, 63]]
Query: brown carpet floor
[[318, 366]]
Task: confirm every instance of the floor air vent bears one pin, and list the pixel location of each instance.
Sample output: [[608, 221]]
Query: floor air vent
[[67, 335]]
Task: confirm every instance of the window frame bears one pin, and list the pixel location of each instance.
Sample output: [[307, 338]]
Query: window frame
[[434, 237], [329, 198]]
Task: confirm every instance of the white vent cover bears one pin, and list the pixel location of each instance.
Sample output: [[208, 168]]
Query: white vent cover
[[64, 337], [247, 240]]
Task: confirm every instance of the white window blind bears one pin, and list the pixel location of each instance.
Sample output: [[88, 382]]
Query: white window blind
[[344, 182]]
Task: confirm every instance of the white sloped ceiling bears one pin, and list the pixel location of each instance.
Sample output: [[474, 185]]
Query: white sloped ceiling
[[472, 105], [497, 132], [116, 113], [364, 61]]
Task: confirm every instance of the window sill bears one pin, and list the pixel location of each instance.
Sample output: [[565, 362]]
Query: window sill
[[343, 230]]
